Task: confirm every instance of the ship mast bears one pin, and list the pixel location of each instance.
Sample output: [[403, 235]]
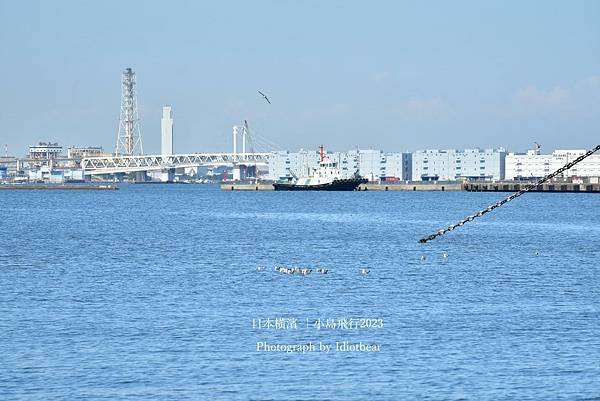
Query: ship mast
[[321, 153]]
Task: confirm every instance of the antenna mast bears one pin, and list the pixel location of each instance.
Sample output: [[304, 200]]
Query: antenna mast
[[129, 139]]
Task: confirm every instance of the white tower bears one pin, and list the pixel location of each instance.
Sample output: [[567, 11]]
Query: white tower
[[244, 134], [166, 132], [234, 135], [129, 139]]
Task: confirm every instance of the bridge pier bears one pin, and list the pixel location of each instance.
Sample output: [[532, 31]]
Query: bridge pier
[[251, 171], [167, 175], [236, 172], [141, 176], [241, 172]]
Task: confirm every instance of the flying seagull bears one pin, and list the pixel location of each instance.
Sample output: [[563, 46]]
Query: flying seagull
[[265, 96]]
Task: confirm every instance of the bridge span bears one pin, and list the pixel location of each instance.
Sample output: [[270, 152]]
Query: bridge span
[[131, 164]]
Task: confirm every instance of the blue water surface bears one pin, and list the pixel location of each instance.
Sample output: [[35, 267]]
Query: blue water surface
[[150, 293]]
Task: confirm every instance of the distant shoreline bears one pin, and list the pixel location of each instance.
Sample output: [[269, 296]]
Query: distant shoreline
[[59, 187]]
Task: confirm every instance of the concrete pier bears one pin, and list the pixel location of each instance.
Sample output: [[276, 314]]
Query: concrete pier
[[452, 186], [501, 186], [511, 186], [415, 186], [247, 187]]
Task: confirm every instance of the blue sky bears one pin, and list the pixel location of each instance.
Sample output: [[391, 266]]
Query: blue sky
[[397, 75]]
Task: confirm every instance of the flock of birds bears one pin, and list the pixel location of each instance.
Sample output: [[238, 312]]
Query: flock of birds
[[305, 271]]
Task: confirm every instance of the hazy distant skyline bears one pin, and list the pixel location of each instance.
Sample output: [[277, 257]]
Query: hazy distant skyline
[[398, 76]]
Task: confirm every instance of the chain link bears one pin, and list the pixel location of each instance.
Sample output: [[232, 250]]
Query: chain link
[[509, 198]]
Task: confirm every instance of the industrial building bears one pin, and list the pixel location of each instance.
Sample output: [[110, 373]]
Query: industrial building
[[55, 176], [45, 163], [437, 165], [533, 164], [376, 165], [44, 153], [78, 152], [453, 164], [284, 164]]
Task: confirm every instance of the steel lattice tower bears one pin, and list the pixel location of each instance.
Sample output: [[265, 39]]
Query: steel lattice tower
[[129, 139]]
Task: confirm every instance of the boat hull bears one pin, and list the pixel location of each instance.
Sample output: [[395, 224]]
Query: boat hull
[[346, 184]]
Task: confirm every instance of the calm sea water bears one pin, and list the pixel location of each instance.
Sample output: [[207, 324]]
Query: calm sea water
[[150, 293]]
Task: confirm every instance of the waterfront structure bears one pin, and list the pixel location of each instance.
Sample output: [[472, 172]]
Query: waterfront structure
[[52, 175], [129, 139], [284, 165], [73, 175], [243, 168], [77, 152], [44, 153], [55, 176], [133, 164], [397, 166], [47, 174], [453, 164], [377, 165], [166, 132], [326, 177], [372, 164], [533, 165]]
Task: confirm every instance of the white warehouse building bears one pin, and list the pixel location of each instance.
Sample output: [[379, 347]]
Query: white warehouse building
[[533, 165], [452, 164]]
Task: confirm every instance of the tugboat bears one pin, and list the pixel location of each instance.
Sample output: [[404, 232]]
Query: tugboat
[[326, 177]]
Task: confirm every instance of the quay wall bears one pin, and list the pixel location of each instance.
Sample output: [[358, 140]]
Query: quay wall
[[247, 187], [416, 186], [453, 186], [499, 186], [511, 186]]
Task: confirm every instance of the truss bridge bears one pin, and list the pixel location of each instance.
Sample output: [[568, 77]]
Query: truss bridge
[[131, 164]]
